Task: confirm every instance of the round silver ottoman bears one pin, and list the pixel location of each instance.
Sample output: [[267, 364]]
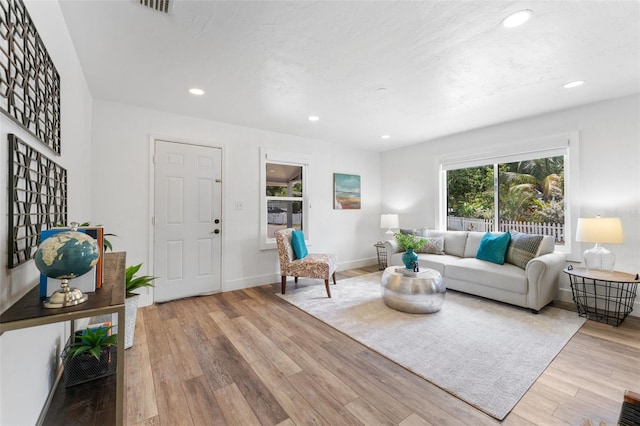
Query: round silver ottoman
[[422, 294]]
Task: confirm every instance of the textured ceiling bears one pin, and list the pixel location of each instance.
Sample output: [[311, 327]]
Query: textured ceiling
[[413, 70]]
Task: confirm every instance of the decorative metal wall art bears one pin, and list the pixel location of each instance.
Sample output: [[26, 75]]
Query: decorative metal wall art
[[29, 82], [37, 198]]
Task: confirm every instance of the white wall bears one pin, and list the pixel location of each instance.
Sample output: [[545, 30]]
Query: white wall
[[121, 189], [29, 357], [609, 181]]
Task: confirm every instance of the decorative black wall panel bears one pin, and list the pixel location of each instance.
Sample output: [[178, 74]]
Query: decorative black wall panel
[[29, 82], [37, 199]]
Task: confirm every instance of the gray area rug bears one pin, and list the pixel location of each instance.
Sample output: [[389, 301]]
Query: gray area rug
[[486, 353]]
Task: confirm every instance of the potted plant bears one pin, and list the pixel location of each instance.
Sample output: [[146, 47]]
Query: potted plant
[[132, 300], [88, 355], [409, 243]]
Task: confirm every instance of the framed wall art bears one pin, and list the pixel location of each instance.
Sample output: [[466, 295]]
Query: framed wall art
[[37, 199], [29, 81], [346, 191]]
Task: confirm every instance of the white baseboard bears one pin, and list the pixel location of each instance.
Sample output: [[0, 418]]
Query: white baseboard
[[258, 280], [360, 263], [248, 282]]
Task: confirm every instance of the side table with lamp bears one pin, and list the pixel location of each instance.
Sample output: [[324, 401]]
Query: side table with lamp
[[599, 292], [389, 222]]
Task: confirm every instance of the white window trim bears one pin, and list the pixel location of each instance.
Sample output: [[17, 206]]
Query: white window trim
[[289, 158], [566, 144]]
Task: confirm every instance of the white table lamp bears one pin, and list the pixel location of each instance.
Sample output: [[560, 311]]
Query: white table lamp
[[389, 221], [599, 230]]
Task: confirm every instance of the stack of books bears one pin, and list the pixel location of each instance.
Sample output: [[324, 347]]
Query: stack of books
[[409, 272]]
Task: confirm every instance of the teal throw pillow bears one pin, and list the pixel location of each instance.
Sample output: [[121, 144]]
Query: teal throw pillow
[[299, 247], [493, 247]]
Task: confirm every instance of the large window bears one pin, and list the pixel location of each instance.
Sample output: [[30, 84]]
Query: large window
[[284, 195], [525, 191], [527, 196]]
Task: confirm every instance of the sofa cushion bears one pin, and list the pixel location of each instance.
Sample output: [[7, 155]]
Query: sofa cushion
[[547, 245], [493, 247], [299, 247], [420, 232], [473, 242], [522, 248], [434, 245], [454, 241], [505, 277]]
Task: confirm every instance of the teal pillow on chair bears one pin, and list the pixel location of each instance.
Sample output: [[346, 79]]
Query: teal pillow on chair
[[299, 247], [493, 247]]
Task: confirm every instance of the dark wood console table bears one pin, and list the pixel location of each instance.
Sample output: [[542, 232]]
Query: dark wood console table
[[98, 402]]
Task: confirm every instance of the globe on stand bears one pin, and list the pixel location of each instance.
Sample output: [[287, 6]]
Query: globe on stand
[[65, 256]]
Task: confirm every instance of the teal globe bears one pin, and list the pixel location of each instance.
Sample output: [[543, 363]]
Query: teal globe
[[67, 255]]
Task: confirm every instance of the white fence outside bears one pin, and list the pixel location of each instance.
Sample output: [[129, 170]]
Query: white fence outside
[[281, 218], [556, 230]]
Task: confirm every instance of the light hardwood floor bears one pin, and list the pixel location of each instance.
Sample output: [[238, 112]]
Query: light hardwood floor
[[249, 358]]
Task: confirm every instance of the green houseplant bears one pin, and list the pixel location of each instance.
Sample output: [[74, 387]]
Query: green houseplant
[[132, 300], [88, 355], [133, 283], [409, 243]]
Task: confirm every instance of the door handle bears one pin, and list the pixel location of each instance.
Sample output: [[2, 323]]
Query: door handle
[[215, 231]]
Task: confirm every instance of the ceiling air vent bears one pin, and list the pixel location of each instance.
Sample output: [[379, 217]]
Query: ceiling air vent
[[159, 5]]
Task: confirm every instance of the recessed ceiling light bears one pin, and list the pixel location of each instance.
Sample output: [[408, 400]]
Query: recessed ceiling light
[[517, 19], [385, 137], [572, 84], [195, 91], [314, 118]]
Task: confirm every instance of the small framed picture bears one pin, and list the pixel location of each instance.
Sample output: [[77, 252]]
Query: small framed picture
[[346, 192]]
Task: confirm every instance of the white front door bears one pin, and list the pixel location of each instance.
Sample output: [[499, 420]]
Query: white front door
[[187, 231]]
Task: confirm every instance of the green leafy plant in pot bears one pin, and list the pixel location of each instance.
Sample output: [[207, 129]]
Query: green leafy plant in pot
[[87, 356], [132, 300], [409, 243]]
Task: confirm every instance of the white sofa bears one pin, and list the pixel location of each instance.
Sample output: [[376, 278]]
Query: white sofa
[[533, 287]]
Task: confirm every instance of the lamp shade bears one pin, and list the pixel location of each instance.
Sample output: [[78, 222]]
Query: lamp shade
[[389, 221], [600, 230]]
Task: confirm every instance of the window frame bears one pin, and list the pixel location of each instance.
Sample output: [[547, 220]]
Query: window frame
[[268, 156], [565, 144]]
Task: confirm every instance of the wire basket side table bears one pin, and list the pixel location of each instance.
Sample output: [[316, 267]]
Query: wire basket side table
[[603, 296], [382, 255]]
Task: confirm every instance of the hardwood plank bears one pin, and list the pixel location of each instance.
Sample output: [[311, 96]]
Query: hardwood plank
[[415, 420], [368, 414], [156, 336], [173, 408], [183, 353], [331, 383], [264, 404], [241, 342], [266, 347], [299, 410], [235, 408], [332, 411], [383, 401], [139, 378], [203, 406]]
